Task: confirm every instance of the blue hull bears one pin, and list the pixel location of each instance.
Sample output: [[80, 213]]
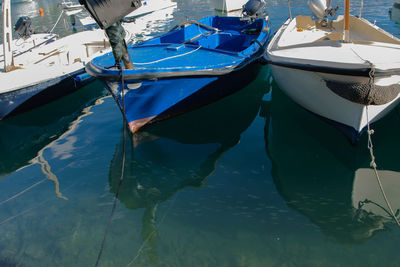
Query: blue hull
[[24, 99], [186, 68], [158, 100]]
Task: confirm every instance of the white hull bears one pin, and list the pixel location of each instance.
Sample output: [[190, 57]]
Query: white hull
[[309, 90], [333, 79]]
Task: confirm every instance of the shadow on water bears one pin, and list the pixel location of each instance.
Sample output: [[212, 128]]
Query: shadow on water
[[179, 153], [23, 136], [319, 174]]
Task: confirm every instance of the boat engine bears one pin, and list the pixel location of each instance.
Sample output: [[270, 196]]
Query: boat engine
[[321, 9], [254, 9], [23, 27]]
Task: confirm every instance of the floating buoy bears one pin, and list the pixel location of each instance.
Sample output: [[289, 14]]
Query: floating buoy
[[41, 12]]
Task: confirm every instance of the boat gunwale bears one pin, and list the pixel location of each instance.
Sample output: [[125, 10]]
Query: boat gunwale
[[116, 73], [261, 41], [351, 69]]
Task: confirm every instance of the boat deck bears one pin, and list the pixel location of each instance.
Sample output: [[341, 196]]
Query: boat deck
[[305, 40]]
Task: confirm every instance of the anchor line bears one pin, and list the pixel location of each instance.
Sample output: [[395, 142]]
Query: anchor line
[[122, 169], [374, 166]]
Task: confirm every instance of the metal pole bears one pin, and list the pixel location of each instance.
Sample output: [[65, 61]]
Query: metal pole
[[7, 37], [290, 12], [346, 21]]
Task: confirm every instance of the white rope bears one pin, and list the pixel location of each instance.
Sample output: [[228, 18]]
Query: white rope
[[156, 61], [361, 7], [290, 12], [59, 17], [23, 191], [373, 165]]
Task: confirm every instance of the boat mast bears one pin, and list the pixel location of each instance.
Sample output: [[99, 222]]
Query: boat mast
[[7, 37], [346, 20]]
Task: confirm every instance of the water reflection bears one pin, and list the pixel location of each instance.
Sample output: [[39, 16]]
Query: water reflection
[[179, 153], [23, 137], [24, 8], [322, 176]]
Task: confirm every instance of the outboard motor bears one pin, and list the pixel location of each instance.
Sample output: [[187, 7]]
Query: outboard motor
[[23, 27], [321, 9], [254, 9]]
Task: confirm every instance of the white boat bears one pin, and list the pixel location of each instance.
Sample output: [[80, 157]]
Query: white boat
[[147, 7], [42, 73], [346, 70]]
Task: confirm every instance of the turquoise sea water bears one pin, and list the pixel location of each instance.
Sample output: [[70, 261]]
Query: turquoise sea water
[[251, 180]]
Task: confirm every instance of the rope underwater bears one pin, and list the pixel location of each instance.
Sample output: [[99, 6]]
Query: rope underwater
[[371, 151], [122, 168]]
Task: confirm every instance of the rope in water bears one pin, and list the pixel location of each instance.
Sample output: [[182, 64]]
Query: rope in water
[[374, 166], [23, 191], [122, 169], [371, 149]]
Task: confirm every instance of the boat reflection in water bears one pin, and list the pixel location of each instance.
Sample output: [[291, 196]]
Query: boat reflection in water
[[179, 153], [24, 137], [326, 179]]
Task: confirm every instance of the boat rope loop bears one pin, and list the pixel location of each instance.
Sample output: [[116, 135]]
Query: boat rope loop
[[374, 166], [371, 83], [156, 61], [122, 167]]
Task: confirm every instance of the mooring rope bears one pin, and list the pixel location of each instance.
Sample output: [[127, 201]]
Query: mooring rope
[[371, 146], [59, 17], [122, 168], [23, 191], [374, 166]]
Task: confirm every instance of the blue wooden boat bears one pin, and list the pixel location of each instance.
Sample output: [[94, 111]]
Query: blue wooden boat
[[196, 63]]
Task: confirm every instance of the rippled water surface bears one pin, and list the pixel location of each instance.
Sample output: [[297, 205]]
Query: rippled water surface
[[251, 180]]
